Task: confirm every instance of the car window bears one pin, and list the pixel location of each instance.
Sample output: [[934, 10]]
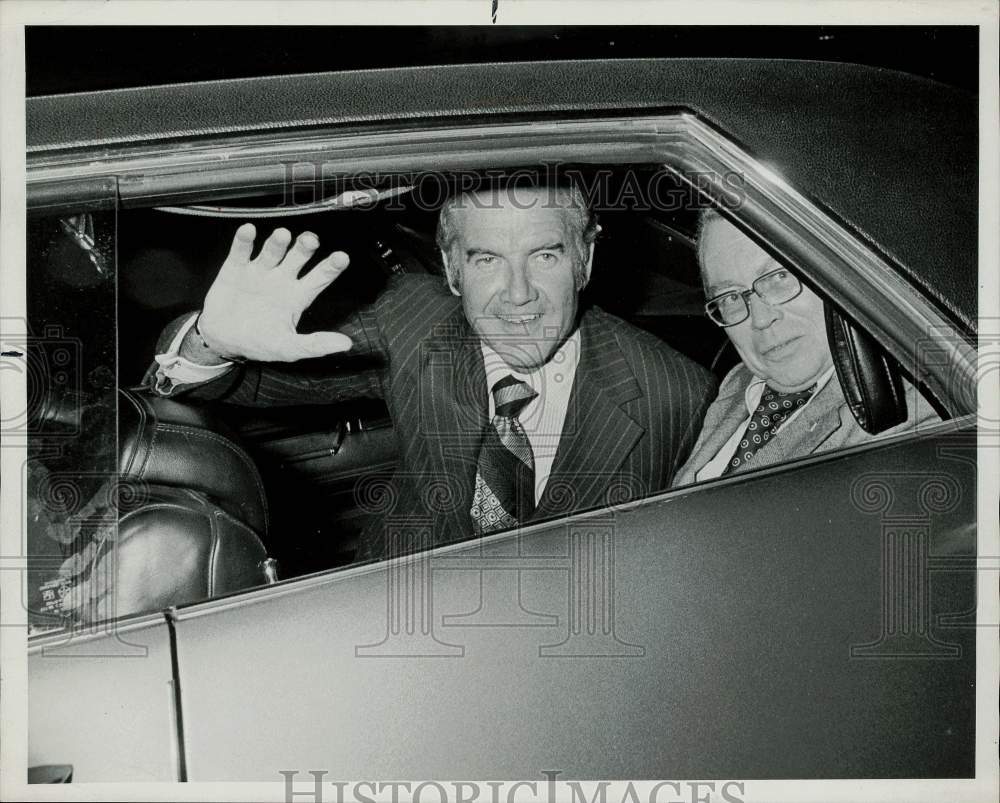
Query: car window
[[295, 483], [71, 473]]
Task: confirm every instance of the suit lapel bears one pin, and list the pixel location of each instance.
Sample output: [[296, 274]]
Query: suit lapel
[[728, 406], [817, 422], [454, 411], [597, 434]]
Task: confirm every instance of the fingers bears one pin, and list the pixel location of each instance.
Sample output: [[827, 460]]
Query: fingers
[[240, 250], [321, 276], [243, 242], [274, 248], [276, 253], [300, 253], [319, 344], [242, 245]]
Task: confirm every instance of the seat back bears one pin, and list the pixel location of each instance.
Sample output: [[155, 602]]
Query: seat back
[[165, 442], [192, 510]]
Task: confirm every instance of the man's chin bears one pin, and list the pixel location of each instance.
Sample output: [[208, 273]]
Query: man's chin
[[793, 383], [522, 351], [525, 347], [519, 361]]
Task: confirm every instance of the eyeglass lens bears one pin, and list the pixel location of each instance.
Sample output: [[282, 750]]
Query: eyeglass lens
[[776, 287]]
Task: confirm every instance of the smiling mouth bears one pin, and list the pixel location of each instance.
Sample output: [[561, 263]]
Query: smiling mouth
[[519, 318], [779, 348]]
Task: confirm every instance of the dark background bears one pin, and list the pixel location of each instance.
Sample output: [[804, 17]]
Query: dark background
[[78, 58]]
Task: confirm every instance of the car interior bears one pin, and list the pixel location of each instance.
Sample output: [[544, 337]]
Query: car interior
[[228, 498]]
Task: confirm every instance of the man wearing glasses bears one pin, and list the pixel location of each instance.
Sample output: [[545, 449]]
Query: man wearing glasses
[[783, 400]]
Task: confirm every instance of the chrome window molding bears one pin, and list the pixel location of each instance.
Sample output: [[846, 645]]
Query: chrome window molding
[[75, 640], [864, 282], [255, 164]]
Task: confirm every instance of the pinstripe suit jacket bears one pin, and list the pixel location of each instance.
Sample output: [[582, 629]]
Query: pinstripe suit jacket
[[634, 411]]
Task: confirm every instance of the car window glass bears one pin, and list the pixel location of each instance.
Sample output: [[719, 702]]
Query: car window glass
[[71, 471], [316, 464]]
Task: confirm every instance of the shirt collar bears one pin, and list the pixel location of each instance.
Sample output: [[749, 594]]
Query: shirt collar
[[563, 361], [751, 396]]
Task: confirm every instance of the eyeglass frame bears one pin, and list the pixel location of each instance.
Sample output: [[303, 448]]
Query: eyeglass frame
[[745, 295]]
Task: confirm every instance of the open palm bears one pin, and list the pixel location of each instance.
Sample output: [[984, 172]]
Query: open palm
[[253, 307]]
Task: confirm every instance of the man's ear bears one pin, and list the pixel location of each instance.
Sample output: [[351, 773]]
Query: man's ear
[[587, 265], [449, 271]]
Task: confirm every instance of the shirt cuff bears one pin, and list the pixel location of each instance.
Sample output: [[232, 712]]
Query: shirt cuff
[[175, 370]]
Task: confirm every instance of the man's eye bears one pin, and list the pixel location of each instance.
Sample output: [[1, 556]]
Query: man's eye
[[547, 258], [729, 300], [485, 261]]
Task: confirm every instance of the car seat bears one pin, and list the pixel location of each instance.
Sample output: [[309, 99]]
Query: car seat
[[192, 508]]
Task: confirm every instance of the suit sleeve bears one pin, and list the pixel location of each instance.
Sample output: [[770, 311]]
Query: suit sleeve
[[326, 380]]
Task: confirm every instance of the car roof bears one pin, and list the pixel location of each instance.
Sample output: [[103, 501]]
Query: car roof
[[892, 155]]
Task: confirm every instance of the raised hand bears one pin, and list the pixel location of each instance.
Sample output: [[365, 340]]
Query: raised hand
[[254, 305]]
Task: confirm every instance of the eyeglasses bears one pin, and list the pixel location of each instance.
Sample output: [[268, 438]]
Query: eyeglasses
[[777, 287]]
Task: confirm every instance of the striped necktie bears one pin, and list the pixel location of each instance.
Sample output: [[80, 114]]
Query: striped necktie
[[774, 409], [505, 474]]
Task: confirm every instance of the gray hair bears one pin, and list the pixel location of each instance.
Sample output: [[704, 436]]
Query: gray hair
[[708, 215], [583, 224]]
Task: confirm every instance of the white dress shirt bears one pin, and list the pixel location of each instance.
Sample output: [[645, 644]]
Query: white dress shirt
[[180, 370], [543, 417], [751, 397]]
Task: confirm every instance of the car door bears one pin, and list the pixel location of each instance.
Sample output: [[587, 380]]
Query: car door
[[103, 703], [810, 620]]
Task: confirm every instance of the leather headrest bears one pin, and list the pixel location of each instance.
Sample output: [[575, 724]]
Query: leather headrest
[[164, 442], [174, 548], [870, 379], [177, 548]]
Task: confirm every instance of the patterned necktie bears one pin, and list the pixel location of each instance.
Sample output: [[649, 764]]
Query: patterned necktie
[[774, 409], [505, 475]]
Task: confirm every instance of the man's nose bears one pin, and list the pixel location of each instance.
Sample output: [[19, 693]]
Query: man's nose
[[762, 314], [519, 289]]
